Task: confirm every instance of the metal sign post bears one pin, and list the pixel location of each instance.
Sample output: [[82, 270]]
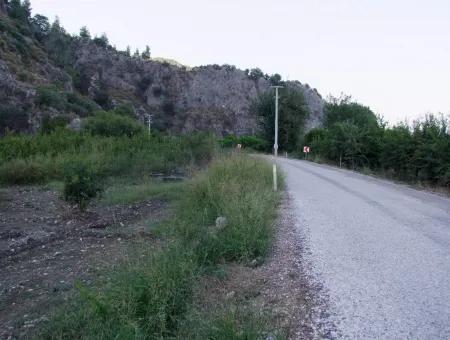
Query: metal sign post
[[275, 145]]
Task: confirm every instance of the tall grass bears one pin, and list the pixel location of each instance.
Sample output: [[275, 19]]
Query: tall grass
[[149, 297], [238, 188], [41, 158]]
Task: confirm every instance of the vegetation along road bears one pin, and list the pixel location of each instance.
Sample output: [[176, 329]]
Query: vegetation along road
[[380, 250]]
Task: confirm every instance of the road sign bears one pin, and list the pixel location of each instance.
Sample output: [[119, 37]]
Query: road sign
[[306, 149]]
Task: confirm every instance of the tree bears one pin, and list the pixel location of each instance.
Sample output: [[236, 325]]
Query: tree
[[59, 44], [19, 11], [343, 109], [128, 51], [146, 53], [292, 114], [275, 79], [256, 73], [84, 33], [396, 152], [357, 118], [136, 54], [40, 26], [102, 41]]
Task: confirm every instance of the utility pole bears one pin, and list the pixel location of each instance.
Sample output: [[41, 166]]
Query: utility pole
[[275, 145], [149, 119]]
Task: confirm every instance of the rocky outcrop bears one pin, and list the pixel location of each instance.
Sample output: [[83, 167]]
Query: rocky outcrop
[[214, 98]]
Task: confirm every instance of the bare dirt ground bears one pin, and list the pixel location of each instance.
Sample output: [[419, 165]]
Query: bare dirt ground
[[281, 287], [45, 245]]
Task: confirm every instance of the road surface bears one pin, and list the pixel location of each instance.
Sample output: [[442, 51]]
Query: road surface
[[380, 250]]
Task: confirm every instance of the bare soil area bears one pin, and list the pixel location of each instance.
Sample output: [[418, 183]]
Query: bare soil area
[[46, 245]]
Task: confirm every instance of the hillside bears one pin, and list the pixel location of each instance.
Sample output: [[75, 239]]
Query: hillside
[[46, 72]]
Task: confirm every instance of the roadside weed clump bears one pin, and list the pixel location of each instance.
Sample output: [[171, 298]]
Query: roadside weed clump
[[143, 299], [240, 189]]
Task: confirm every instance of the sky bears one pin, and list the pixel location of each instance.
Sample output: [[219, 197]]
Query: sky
[[391, 55]]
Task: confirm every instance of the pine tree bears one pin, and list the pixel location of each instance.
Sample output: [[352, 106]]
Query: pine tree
[[19, 11], [128, 51], [84, 33], [146, 53], [136, 53]]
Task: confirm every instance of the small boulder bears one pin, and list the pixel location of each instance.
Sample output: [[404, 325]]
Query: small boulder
[[221, 222]]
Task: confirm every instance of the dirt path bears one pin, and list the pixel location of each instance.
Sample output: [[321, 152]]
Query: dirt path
[[45, 245]]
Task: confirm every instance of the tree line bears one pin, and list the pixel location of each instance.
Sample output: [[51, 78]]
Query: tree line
[[54, 37], [354, 137]]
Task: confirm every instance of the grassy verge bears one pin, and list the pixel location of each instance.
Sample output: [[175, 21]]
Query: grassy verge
[[150, 297]]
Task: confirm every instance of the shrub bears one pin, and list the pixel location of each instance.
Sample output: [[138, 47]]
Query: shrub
[[125, 109], [229, 141], [111, 124], [21, 171], [251, 142], [81, 184], [50, 124], [82, 106], [254, 143], [48, 96]]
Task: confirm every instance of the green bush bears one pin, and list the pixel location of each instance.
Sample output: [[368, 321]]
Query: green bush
[[50, 124], [81, 184], [254, 143], [229, 141], [111, 124], [251, 142], [80, 105], [20, 171], [125, 109], [49, 96]]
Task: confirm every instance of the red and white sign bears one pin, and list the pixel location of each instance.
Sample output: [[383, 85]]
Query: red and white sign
[[306, 149]]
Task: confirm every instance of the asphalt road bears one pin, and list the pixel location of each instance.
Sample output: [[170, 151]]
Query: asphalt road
[[380, 250]]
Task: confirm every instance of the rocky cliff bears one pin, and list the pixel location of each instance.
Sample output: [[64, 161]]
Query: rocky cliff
[[180, 99]]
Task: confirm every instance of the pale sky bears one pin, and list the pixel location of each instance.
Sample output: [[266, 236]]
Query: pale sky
[[392, 55]]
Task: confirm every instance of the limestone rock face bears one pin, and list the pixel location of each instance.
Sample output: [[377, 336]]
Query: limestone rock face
[[212, 98]]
